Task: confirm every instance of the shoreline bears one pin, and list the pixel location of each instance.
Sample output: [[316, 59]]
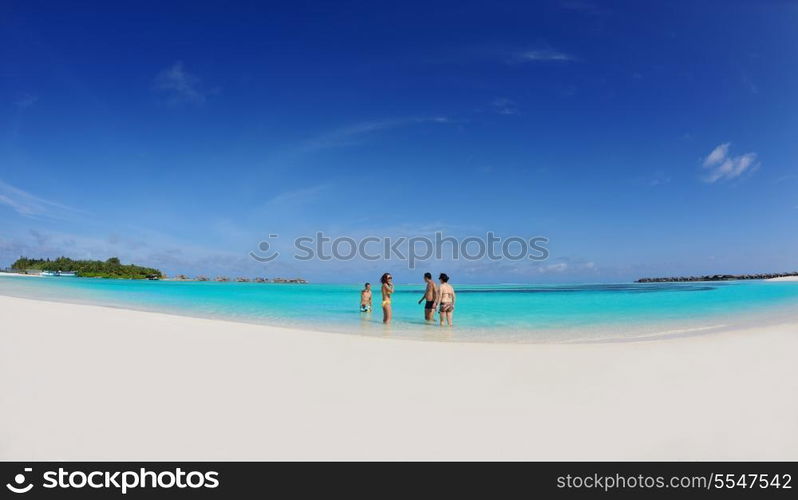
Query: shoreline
[[152, 386], [423, 332]]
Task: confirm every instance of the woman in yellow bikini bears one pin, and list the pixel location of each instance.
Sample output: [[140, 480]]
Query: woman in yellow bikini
[[387, 290]]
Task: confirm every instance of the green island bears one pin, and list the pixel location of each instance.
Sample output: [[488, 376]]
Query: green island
[[111, 268]]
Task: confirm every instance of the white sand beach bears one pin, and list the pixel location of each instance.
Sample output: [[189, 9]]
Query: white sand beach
[[83, 382], [784, 278]]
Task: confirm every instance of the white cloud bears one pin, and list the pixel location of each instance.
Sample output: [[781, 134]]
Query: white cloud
[[26, 100], [723, 167], [658, 178], [180, 85], [717, 155], [29, 205], [557, 267], [504, 106], [543, 55], [507, 54], [351, 134], [148, 248], [297, 197]]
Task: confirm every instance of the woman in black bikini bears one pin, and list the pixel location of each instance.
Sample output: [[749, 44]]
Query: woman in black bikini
[[445, 298]]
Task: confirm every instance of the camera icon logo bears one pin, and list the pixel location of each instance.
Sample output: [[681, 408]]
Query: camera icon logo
[[19, 481]]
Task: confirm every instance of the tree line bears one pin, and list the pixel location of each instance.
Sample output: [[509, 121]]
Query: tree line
[[111, 268]]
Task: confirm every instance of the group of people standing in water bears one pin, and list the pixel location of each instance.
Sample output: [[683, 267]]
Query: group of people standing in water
[[440, 297]]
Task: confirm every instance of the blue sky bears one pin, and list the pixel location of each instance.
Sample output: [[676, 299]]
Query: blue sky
[[641, 138]]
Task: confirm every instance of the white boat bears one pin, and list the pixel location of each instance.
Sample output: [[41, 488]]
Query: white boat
[[66, 274]]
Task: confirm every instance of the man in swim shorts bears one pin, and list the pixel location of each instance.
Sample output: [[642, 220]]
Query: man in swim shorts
[[429, 297], [365, 298]]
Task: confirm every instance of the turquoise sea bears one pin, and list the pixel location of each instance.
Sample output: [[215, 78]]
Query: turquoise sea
[[525, 313]]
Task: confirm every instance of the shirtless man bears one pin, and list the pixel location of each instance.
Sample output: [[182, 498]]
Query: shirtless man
[[445, 299], [429, 296], [365, 298]]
